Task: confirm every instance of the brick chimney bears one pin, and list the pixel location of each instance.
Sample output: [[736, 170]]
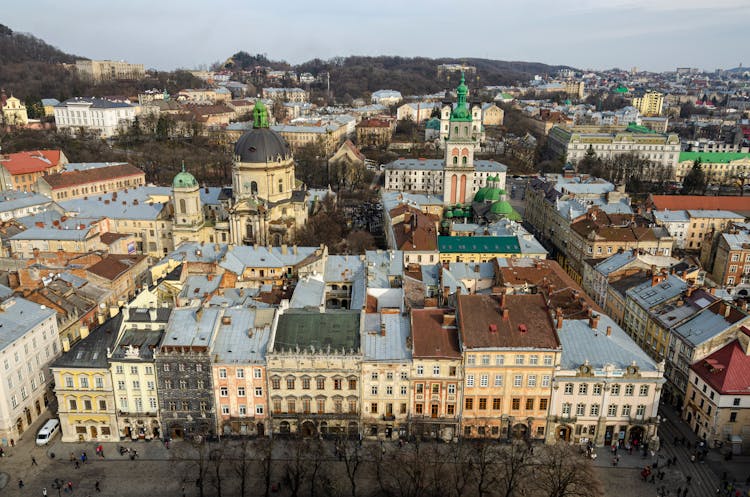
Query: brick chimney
[[594, 321], [609, 331], [506, 314], [449, 319]]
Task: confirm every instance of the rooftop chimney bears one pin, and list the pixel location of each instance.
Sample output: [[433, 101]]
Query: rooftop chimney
[[609, 331], [506, 314], [594, 321], [449, 319], [559, 323]]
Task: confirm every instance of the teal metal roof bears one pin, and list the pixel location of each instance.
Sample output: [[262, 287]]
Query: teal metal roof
[[478, 244]]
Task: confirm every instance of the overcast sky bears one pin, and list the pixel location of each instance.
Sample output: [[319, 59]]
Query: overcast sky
[[655, 35]]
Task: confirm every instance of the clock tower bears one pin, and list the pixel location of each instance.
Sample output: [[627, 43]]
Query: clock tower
[[461, 142]]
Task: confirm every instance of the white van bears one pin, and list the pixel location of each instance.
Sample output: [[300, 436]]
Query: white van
[[47, 432]]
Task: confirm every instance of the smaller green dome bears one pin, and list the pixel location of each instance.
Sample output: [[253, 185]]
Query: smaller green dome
[[481, 194], [449, 215], [458, 213], [184, 179], [502, 208], [433, 123], [494, 194]]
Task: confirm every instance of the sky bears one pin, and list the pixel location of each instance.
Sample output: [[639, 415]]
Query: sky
[[654, 35]]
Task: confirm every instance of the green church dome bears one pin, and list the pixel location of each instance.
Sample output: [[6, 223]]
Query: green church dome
[[433, 123], [502, 208], [461, 111], [184, 179], [449, 215], [481, 194]]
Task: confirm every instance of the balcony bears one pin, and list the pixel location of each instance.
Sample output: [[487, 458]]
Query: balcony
[[389, 417]]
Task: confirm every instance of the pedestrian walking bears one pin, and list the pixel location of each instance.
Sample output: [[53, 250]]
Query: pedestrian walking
[[70, 486], [12, 443], [33, 461], [20, 483], [44, 492], [688, 478], [76, 464], [96, 486]]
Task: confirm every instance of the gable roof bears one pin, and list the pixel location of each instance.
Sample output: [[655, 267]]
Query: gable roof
[[479, 244], [80, 177], [34, 161], [727, 370], [699, 202], [431, 337]]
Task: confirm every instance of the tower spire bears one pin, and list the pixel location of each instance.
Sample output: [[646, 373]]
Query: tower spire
[[260, 115], [183, 166]]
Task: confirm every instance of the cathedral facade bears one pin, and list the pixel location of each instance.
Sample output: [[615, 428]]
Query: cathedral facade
[[263, 206]]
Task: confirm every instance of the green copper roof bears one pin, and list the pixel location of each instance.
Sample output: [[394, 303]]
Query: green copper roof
[[479, 244], [305, 329], [461, 110], [501, 207], [449, 215], [260, 115], [433, 123], [713, 157], [635, 128], [488, 193], [184, 179], [621, 89]]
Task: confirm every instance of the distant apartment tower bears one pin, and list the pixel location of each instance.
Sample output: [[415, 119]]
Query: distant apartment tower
[[445, 70], [102, 70], [650, 104]]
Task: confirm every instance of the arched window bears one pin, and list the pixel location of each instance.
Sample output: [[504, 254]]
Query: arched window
[[455, 159], [463, 160], [466, 130], [254, 187], [281, 185], [455, 130], [183, 207]]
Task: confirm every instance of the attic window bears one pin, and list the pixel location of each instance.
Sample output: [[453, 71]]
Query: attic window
[[252, 149]]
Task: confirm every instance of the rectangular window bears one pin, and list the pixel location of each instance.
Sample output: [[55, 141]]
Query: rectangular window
[[468, 404], [84, 381], [583, 389], [543, 404], [612, 410], [337, 384], [518, 381], [469, 380], [352, 384], [373, 389], [483, 403], [257, 373], [222, 372], [485, 359], [640, 410], [499, 360], [626, 410], [519, 359], [498, 380], [240, 391], [594, 409], [546, 381], [533, 359], [484, 380], [643, 390], [305, 383], [320, 383], [276, 383], [239, 373], [374, 375], [597, 389], [496, 404], [120, 370], [531, 380], [471, 360], [529, 404], [436, 370], [99, 382], [133, 369], [420, 370], [404, 390], [224, 392], [566, 409], [515, 404], [580, 409], [290, 383], [629, 390], [450, 409], [615, 390]]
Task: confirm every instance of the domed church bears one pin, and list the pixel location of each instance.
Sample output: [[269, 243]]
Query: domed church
[[262, 206], [266, 208]]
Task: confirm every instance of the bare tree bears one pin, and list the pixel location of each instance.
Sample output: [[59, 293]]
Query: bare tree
[[264, 451], [512, 467], [215, 463], [319, 479], [461, 469], [484, 459], [352, 457], [242, 465], [296, 467], [562, 471]]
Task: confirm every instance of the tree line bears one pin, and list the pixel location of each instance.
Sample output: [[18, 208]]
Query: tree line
[[346, 468]]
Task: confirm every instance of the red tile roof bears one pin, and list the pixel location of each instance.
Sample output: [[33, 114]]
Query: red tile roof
[[528, 324], [699, 202], [431, 337], [727, 370], [35, 161], [114, 266], [417, 232], [82, 177]]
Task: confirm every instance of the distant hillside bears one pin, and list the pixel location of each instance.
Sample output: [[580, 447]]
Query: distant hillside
[[20, 47], [357, 75]]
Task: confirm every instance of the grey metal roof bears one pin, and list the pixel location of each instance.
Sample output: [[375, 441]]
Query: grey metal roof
[[702, 327], [615, 262], [91, 352], [144, 341], [95, 103], [438, 165], [383, 266], [671, 216], [245, 338], [35, 233], [385, 337], [430, 274], [580, 343], [309, 292], [192, 326], [648, 295], [465, 270], [242, 256], [261, 145], [11, 200], [199, 252], [18, 316], [85, 166], [342, 268], [136, 203], [715, 214], [198, 284]]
